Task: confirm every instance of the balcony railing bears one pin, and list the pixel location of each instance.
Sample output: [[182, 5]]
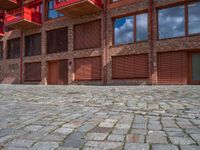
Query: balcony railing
[[77, 7], [23, 18]]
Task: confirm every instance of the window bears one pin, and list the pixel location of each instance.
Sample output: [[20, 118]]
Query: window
[[142, 27], [13, 50], [1, 50], [57, 40], [124, 29], [51, 13], [87, 35], [171, 22], [194, 18], [33, 45]]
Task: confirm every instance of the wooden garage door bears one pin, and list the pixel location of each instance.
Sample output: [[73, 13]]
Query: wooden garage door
[[130, 67], [172, 68], [33, 72], [87, 68]]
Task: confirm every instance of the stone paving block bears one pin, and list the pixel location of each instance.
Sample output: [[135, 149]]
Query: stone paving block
[[164, 147], [65, 131], [45, 146], [190, 147], [122, 126], [101, 130], [139, 131], [139, 126], [103, 145], [85, 128], [96, 136], [75, 140], [136, 146], [134, 138], [20, 143], [33, 127], [156, 139], [181, 140], [116, 137]]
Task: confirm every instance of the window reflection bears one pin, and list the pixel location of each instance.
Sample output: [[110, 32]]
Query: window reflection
[[123, 30], [194, 18], [171, 22], [142, 27]]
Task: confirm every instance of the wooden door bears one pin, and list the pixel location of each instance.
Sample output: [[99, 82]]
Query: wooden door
[[53, 72]]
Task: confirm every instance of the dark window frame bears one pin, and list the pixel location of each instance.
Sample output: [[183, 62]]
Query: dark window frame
[[31, 37], [186, 22], [25, 67], [134, 28], [15, 55], [57, 51]]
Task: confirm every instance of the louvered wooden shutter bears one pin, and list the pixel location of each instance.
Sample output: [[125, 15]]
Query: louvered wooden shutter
[[129, 67], [33, 72], [87, 68], [63, 71], [172, 68], [87, 35]]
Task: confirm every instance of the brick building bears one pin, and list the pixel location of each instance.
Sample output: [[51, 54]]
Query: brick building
[[100, 42]]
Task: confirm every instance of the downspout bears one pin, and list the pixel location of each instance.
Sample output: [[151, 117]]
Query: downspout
[[105, 40], [21, 53], [151, 41]]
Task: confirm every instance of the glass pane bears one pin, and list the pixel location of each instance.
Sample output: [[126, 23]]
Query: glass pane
[[171, 22], [52, 14], [51, 4], [142, 27], [123, 30], [194, 18], [196, 67]]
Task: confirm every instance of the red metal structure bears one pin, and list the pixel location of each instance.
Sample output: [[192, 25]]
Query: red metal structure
[[1, 26], [23, 18], [74, 8], [9, 4]]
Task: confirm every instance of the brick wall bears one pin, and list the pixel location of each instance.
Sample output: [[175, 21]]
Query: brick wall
[[114, 10]]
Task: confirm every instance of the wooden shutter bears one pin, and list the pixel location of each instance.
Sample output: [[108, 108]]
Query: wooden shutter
[[1, 50], [63, 71], [172, 68], [13, 48], [57, 40], [87, 35], [129, 67], [33, 45], [87, 68], [33, 72]]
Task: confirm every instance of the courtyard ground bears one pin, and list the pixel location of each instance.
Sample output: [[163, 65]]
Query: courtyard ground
[[99, 117]]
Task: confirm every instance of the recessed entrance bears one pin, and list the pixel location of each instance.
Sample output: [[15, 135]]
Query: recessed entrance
[[195, 68], [58, 72]]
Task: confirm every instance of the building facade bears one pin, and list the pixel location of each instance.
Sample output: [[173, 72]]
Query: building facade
[[100, 42]]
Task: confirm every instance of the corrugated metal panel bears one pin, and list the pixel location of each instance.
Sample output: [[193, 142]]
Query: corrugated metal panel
[[63, 71], [87, 35], [172, 68], [33, 72], [33, 45], [130, 67], [57, 40], [13, 48], [1, 50], [87, 68]]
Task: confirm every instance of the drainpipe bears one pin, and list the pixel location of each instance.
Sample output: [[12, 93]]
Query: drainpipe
[[151, 41], [105, 40], [21, 53]]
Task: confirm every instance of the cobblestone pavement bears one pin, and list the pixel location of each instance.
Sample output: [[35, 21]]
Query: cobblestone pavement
[[99, 117]]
